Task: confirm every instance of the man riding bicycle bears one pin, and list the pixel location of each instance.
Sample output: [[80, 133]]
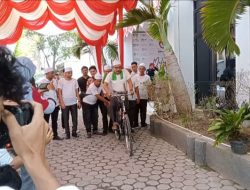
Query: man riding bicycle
[[117, 82]]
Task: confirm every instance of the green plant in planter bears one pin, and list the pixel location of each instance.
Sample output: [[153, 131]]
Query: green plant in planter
[[209, 105], [227, 127]]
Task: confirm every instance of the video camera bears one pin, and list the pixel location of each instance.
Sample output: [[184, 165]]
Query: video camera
[[23, 114]]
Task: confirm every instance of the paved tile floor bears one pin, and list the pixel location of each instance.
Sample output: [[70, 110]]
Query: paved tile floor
[[102, 163]]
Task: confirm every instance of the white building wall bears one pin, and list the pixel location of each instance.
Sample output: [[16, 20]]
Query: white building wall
[[243, 60], [181, 37], [128, 51]]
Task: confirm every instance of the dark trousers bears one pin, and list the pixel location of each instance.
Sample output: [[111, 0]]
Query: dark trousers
[[142, 108], [65, 114], [54, 117], [132, 112], [62, 119], [90, 116], [104, 110]]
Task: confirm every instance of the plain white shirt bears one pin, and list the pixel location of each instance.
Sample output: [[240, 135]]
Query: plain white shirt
[[5, 157], [91, 93], [69, 88], [144, 82], [118, 85], [51, 93]]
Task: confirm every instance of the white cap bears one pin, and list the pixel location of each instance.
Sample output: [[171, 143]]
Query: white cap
[[116, 63], [47, 70], [142, 65], [106, 67], [98, 76], [67, 69]]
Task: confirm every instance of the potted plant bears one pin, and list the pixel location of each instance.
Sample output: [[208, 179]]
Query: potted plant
[[227, 127]]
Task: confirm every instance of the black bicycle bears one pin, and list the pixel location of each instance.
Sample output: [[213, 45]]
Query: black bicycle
[[124, 128]]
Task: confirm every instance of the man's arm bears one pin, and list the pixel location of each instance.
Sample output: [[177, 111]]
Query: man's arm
[[106, 88], [60, 98], [78, 98], [130, 86], [137, 95], [99, 97]]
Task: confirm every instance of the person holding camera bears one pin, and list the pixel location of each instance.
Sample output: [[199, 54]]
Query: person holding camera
[[28, 141], [51, 93]]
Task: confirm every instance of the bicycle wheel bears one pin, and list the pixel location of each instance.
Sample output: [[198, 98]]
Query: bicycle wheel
[[128, 135]]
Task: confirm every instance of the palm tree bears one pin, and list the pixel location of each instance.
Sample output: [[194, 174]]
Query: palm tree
[[217, 19], [157, 29], [111, 50]]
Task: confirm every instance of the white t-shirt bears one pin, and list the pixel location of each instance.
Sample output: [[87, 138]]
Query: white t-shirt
[[118, 85], [144, 82], [51, 93], [135, 82], [91, 92], [69, 88], [5, 157]]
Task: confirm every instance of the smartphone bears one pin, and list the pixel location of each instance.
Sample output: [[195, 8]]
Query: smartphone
[[23, 114], [43, 86]]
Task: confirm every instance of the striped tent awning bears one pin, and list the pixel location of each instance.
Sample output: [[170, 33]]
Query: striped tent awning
[[94, 19]]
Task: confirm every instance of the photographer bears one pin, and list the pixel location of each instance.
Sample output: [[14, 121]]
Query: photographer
[[28, 141]]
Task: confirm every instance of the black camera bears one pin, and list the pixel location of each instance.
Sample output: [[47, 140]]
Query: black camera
[[23, 114]]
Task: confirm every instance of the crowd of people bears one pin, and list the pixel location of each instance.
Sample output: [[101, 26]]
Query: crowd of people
[[55, 93], [94, 92]]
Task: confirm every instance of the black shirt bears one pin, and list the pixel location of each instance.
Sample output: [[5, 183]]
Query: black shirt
[[82, 82]]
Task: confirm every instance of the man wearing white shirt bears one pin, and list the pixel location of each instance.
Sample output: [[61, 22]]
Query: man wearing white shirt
[[90, 106], [133, 99], [134, 68], [52, 94], [117, 81], [144, 82], [69, 100]]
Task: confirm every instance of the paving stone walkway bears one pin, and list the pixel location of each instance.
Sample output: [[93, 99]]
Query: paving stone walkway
[[102, 163]]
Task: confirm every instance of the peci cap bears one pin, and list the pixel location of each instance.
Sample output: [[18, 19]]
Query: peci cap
[[48, 70], [67, 69], [98, 76], [116, 63], [106, 68], [142, 65]]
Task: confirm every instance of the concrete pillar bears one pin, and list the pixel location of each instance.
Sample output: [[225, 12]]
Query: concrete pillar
[[191, 147], [200, 152]]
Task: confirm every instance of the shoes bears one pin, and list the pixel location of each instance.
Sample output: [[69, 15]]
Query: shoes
[[94, 132], [104, 133], [132, 130], [67, 137], [144, 125], [57, 138], [89, 135], [75, 135]]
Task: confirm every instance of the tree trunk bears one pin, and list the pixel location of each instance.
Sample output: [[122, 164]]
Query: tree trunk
[[178, 85]]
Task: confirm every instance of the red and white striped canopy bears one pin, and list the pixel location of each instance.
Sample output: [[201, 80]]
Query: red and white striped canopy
[[94, 19]]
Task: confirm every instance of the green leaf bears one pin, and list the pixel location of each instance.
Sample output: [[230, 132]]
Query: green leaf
[[217, 19], [215, 127], [111, 49], [164, 6], [136, 17], [154, 32]]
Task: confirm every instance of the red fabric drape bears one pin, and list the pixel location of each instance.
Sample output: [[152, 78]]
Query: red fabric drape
[[99, 57], [121, 37], [90, 13]]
